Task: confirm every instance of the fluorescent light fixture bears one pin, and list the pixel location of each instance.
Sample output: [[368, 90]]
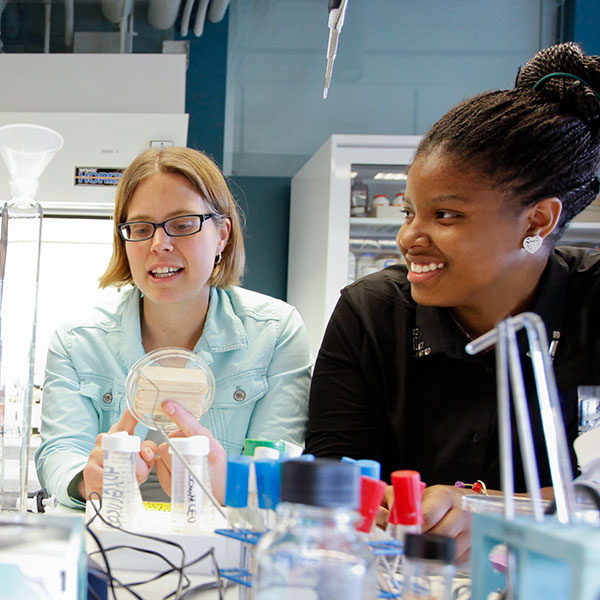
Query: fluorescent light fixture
[[391, 176]]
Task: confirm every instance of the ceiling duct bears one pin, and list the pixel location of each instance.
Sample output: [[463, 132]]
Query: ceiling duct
[[163, 13]]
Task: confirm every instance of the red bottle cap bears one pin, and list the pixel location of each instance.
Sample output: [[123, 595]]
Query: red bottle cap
[[408, 492], [371, 495]]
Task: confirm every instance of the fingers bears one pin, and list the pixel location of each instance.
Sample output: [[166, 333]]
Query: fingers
[[145, 460], [184, 419], [388, 498], [127, 423], [162, 464], [443, 515], [436, 503]]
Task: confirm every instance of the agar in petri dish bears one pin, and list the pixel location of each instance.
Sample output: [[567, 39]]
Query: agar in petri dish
[[168, 374]]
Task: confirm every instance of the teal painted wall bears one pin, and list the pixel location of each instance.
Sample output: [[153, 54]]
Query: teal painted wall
[[264, 201]]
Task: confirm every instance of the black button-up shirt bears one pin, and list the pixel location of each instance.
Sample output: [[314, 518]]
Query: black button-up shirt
[[393, 382]]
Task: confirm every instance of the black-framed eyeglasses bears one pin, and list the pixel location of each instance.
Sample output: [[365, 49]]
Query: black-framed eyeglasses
[[138, 231]]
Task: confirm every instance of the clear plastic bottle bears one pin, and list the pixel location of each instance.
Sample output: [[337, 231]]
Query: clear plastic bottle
[[315, 550], [365, 260], [119, 483], [359, 198], [427, 568], [188, 501]]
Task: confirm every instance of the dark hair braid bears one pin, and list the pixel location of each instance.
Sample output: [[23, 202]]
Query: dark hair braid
[[537, 143]]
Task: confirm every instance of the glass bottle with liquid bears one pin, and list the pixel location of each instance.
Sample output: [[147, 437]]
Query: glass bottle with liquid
[[315, 551], [427, 567]]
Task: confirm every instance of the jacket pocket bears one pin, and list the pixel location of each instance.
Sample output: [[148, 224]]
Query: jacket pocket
[[231, 410]]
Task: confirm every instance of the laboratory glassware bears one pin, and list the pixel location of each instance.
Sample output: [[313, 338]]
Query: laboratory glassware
[[26, 150], [315, 551]]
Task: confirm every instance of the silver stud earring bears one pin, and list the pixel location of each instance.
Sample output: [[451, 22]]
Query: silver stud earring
[[218, 258], [532, 243]]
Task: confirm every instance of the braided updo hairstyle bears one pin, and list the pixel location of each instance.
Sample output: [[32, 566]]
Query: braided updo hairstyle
[[538, 140]]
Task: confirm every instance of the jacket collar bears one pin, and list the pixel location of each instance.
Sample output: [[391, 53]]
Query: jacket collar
[[223, 330], [436, 330]]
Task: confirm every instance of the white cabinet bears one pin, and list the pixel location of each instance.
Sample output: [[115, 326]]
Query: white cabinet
[[322, 230], [320, 224]]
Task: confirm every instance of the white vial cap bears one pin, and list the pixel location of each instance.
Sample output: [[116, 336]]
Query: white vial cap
[[121, 441], [265, 452], [195, 445], [293, 450]]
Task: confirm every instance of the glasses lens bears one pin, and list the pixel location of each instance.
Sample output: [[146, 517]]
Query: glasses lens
[[138, 231], [183, 225]]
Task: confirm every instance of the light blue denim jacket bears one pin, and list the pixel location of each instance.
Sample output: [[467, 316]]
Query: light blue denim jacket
[[255, 345]]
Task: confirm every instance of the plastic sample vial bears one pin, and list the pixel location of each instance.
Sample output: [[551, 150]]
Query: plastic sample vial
[[407, 513], [188, 500], [250, 446], [236, 491], [315, 551], [119, 483], [427, 568]]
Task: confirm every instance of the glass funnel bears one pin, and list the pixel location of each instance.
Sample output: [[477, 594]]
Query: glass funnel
[[26, 150]]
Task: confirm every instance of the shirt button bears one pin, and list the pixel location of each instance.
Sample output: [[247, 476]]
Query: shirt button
[[239, 395], [107, 398], [476, 438]]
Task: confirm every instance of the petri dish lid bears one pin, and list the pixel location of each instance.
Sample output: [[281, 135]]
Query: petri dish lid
[[168, 374], [480, 503]]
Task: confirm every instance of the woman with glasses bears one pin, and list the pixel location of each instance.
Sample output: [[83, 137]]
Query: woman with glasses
[[493, 185], [179, 252]]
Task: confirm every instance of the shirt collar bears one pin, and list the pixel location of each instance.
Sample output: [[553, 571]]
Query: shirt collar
[[436, 330]]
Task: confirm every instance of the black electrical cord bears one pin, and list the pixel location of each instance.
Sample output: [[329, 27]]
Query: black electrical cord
[[174, 568], [98, 514]]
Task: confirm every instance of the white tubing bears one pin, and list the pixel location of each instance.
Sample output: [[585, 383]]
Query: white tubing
[[163, 13], [69, 21], [200, 18], [115, 10], [185, 17], [217, 10], [47, 15]]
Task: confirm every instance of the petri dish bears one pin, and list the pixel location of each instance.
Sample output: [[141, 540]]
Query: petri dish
[[168, 374], [480, 503]]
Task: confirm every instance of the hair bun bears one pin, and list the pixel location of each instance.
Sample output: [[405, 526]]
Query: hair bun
[[579, 94]]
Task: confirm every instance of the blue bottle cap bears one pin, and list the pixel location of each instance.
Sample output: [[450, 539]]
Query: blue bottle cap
[[370, 468], [268, 482], [238, 473], [348, 459], [307, 457]]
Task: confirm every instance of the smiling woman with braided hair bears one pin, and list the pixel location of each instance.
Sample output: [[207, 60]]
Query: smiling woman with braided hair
[[492, 186]]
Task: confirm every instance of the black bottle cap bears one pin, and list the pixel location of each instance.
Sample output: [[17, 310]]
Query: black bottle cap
[[321, 482], [429, 546]]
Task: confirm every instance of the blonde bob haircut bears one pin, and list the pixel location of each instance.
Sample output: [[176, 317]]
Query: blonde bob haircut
[[206, 178]]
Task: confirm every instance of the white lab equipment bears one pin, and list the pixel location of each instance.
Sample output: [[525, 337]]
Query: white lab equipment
[[551, 557], [337, 13], [26, 149], [188, 501], [119, 483]]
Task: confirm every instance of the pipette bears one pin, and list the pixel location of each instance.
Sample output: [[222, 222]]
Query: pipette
[[337, 12]]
